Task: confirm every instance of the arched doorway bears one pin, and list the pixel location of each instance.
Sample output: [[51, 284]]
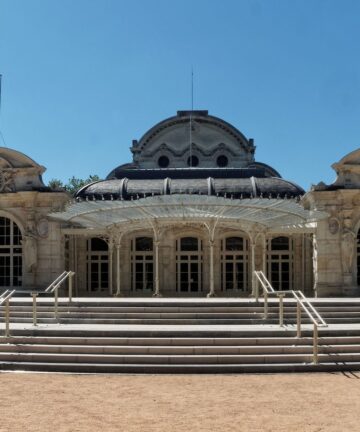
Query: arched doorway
[[142, 264], [234, 264], [189, 265], [280, 263], [10, 254]]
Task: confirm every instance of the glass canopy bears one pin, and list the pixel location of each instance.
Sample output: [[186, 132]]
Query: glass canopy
[[264, 212]]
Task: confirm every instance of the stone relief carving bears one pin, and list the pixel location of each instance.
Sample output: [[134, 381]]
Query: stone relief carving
[[30, 246], [7, 181], [180, 153], [334, 226], [315, 261], [43, 228], [347, 250]]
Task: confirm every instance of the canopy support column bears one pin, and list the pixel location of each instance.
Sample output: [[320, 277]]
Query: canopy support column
[[264, 255], [212, 286], [157, 269], [111, 250], [252, 266], [118, 270]]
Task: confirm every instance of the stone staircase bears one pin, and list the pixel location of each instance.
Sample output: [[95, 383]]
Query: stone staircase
[[177, 335]]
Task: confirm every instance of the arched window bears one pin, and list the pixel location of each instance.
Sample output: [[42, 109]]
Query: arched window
[[188, 265], [234, 264], [280, 263], [142, 264], [97, 265], [10, 254]]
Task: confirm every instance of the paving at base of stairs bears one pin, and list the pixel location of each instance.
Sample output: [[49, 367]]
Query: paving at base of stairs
[[168, 335]]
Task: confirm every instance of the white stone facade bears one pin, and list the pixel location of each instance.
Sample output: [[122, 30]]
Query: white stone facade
[[143, 244]]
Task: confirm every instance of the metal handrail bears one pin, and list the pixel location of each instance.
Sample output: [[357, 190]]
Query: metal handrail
[[314, 311], [5, 298], [56, 282], [54, 288], [301, 303]]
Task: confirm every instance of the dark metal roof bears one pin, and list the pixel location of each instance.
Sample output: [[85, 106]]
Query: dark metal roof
[[186, 173], [159, 184]]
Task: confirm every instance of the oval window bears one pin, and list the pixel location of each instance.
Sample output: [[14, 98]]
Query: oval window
[[222, 161], [163, 161], [193, 161]]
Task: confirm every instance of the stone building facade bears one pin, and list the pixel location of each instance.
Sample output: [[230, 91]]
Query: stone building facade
[[193, 214], [31, 245]]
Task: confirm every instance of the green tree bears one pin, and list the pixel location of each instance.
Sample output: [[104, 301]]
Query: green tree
[[73, 184]]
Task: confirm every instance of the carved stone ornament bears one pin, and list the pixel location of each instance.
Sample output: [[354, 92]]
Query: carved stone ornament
[[6, 181], [43, 228], [334, 226]]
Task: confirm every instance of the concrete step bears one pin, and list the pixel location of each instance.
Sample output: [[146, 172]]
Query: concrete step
[[178, 368], [83, 312], [177, 341], [191, 359], [176, 350]]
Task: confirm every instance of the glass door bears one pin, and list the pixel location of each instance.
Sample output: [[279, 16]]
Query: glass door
[[188, 265]]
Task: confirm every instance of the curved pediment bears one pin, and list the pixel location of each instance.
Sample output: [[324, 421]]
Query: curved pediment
[[348, 171], [210, 136], [18, 172]]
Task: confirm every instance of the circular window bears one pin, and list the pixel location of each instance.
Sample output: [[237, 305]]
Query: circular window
[[222, 161], [193, 161], [163, 161]]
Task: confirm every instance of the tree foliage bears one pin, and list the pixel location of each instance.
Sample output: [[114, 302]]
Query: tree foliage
[[73, 184]]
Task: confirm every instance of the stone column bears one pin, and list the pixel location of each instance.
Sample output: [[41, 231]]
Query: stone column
[[157, 269], [211, 273]]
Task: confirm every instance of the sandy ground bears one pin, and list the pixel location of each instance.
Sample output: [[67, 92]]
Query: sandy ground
[[294, 402]]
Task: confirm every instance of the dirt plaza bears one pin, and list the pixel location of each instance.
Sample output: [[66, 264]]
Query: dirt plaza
[[129, 403]]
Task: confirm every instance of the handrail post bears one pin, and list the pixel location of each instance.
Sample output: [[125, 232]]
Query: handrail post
[[71, 275], [34, 309], [298, 319], [281, 310], [265, 305], [7, 317], [56, 308], [315, 345]]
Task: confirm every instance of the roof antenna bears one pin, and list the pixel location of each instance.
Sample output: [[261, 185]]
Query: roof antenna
[[192, 108], [1, 135]]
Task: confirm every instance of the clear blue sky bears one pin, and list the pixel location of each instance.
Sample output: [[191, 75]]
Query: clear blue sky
[[82, 78]]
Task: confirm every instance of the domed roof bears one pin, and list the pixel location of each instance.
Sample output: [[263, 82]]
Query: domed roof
[[192, 138], [163, 164]]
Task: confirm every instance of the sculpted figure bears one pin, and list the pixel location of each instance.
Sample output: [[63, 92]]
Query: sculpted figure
[[315, 261], [30, 248], [347, 250]]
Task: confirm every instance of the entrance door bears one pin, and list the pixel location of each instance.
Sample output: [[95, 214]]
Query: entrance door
[[280, 263], [142, 264], [97, 266], [234, 264], [189, 265]]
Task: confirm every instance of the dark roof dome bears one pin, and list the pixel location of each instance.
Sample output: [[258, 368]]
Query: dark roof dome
[[192, 153], [234, 183]]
